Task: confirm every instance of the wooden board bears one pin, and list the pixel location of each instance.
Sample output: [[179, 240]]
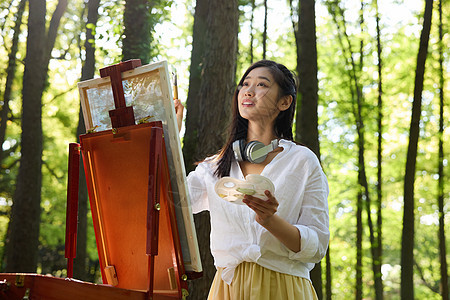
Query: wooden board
[[124, 171], [16, 286]]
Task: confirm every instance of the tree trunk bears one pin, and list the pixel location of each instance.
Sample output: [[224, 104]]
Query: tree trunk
[[137, 30], [378, 259], [307, 119], [199, 288], [252, 37], [10, 74], [362, 176], [216, 91], [442, 246], [264, 36], [190, 140], [218, 75], [22, 248], [80, 268], [359, 233], [407, 256], [5, 109], [25, 215], [24, 228], [357, 96], [328, 291]]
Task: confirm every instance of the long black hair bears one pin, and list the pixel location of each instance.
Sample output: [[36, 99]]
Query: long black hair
[[239, 126]]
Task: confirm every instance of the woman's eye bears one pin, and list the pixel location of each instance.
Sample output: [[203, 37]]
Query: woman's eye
[[262, 84]]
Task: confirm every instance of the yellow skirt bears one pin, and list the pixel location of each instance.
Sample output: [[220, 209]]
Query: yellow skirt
[[254, 282]]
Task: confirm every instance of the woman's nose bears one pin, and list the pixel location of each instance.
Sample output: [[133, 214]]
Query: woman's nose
[[249, 91]]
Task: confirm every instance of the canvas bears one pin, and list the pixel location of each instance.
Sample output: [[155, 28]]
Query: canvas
[[148, 90]]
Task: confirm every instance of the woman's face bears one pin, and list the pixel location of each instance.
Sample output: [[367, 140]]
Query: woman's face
[[258, 97]]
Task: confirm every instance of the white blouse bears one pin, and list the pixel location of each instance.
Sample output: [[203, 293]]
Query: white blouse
[[301, 190]]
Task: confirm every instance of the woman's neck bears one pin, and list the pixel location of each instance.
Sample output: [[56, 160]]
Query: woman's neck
[[260, 132]]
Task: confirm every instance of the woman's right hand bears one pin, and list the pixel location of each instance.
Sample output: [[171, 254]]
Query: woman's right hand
[[179, 108]]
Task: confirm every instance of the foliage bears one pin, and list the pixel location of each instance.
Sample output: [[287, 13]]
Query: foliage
[[281, 42], [399, 52], [172, 36]]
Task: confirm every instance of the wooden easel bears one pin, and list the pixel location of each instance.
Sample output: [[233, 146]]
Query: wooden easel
[[111, 158]]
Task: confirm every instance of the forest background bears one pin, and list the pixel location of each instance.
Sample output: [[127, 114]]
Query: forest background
[[376, 78]]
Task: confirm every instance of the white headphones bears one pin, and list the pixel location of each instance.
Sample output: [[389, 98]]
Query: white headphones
[[254, 152]]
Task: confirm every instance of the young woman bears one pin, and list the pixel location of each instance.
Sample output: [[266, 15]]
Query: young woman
[[266, 248]]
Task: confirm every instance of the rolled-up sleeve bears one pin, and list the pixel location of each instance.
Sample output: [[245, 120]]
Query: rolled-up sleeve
[[197, 189], [313, 222]]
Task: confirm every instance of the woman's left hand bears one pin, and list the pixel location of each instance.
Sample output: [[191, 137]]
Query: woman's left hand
[[264, 209], [179, 112]]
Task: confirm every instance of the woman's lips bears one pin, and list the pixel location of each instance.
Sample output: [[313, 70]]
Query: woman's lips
[[247, 103]]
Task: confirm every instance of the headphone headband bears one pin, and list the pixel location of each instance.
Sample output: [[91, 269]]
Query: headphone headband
[[254, 152]]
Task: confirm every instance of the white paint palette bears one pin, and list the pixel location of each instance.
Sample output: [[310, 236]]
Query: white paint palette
[[234, 190]]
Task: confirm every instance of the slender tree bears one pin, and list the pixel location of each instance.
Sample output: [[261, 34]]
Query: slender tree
[[362, 176], [359, 233], [22, 246], [191, 137], [378, 243], [87, 72], [264, 36], [10, 74], [338, 18], [328, 292], [363, 196], [407, 256], [252, 37], [307, 118], [216, 91], [442, 246], [5, 108]]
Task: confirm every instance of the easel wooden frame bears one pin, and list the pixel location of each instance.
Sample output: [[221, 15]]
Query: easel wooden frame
[[149, 91], [104, 156], [159, 205]]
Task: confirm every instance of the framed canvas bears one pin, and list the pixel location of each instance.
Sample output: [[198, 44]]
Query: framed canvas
[[148, 90]]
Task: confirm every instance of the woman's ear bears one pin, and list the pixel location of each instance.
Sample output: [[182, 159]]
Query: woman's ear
[[285, 102]]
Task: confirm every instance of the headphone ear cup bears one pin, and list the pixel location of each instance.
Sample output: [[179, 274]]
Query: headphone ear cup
[[250, 150], [239, 150], [242, 147]]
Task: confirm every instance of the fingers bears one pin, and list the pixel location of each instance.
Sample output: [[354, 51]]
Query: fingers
[[179, 112], [270, 202], [178, 106], [264, 209]]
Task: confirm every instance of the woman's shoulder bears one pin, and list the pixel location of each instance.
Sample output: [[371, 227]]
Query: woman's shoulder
[[299, 153], [297, 149], [208, 165], [203, 172]]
